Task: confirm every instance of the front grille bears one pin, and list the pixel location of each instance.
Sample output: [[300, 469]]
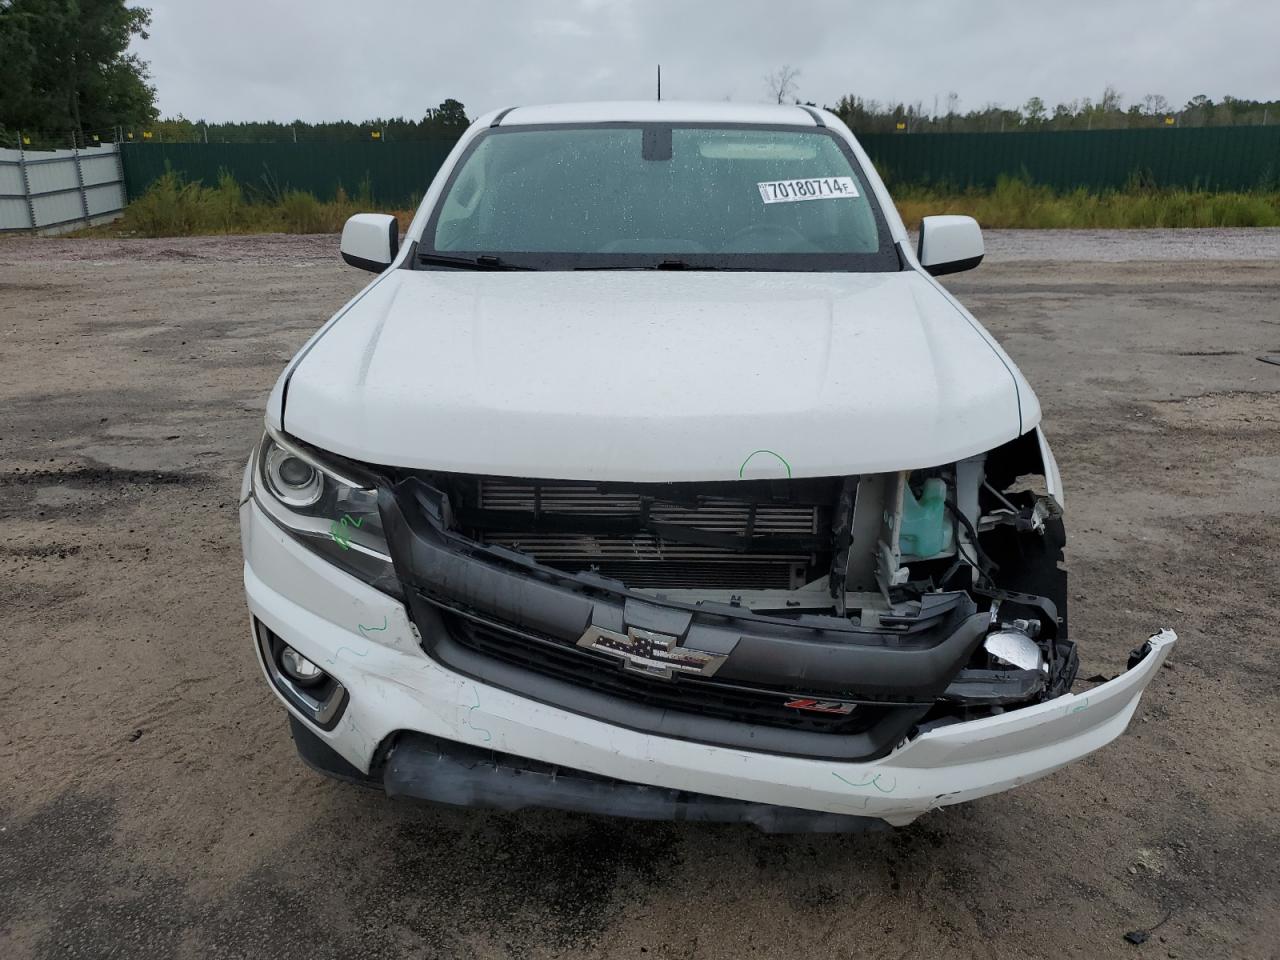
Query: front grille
[[653, 538], [568, 662], [727, 574]]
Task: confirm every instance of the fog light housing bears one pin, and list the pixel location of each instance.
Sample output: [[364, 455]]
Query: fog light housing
[[299, 669], [316, 695]]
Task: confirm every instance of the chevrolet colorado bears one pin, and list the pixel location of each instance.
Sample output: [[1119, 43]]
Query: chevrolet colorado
[[656, 475]]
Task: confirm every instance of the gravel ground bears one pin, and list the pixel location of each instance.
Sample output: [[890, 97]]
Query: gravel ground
[[1114, 246], [151, 804]]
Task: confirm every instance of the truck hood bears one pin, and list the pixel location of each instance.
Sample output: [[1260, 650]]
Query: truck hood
[[654, 375]]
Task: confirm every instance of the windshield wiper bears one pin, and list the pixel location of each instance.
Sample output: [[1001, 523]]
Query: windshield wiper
[[483, 262]]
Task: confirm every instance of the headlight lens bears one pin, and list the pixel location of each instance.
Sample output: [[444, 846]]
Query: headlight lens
[[295, 482], [330, 508]]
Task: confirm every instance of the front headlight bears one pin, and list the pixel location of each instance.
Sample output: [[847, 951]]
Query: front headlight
[[328, 507]]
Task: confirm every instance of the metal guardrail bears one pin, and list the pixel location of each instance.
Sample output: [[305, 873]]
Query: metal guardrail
[[58, 190]]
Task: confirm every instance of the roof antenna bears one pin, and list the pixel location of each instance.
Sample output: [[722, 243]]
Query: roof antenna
[[659, 81]]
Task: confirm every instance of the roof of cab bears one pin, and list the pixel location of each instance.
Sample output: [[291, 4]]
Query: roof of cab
[[658, 111]]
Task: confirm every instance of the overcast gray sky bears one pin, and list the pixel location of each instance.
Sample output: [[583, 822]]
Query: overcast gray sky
[[359, 59]]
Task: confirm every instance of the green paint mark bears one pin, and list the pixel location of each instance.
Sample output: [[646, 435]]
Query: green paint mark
[[368, 630], [337, 528], [779, 457], [338, 652], [487, 735], [873, 782]]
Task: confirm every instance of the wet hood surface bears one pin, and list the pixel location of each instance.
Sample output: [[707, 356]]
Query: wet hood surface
[[653, 376]]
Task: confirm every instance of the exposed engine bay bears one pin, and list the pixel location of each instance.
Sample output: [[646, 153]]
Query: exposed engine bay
[[964, 558]]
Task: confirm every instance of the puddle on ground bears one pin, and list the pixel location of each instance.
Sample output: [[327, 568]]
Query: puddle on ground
[[62, 496], [156, 456]]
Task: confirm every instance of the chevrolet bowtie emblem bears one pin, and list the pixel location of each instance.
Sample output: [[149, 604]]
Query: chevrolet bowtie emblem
[[650, 653]]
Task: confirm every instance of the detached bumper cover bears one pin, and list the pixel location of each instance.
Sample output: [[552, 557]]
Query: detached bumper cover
[[531, 617], [365, 639]]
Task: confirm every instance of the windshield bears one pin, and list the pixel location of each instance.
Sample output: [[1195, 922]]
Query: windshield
[[628, 196]]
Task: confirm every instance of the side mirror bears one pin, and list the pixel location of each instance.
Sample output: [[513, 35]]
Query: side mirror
[[949, 244], [370, 241]]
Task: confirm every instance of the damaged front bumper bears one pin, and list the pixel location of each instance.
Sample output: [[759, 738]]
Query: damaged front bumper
[[713, 673], [366, 641]]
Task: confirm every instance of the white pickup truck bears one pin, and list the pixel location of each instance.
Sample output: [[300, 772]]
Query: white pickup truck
[[655, 475]]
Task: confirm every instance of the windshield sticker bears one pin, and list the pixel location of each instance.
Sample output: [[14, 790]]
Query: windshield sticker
[[815, 188]]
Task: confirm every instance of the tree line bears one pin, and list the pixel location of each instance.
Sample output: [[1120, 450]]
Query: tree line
[[1108, 112], [449, 119]]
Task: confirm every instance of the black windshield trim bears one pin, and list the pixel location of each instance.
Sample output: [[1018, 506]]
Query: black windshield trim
[[884, 260]]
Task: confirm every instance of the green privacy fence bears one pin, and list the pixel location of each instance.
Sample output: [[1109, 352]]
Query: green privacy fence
[[1208, 158], [1212, 158], [396, 173]]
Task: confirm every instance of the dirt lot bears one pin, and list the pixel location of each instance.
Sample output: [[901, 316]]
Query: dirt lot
[[151, 804]]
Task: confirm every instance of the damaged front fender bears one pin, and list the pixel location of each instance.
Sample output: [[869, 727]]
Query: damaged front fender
[[1052, 476]]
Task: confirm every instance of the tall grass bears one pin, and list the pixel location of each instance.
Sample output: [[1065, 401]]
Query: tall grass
[[1015, 203], [172, 207]]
